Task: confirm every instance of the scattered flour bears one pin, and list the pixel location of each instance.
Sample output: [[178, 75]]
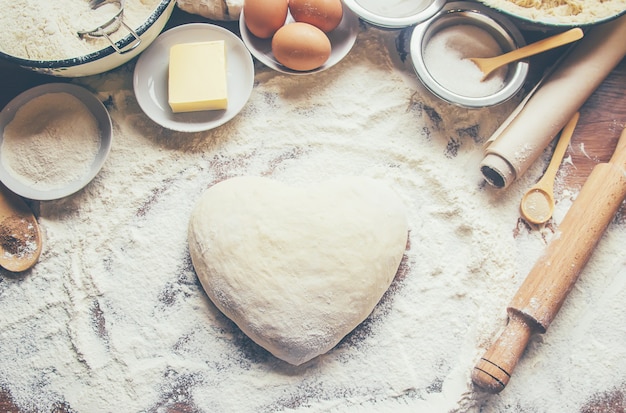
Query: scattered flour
[[113, 318]]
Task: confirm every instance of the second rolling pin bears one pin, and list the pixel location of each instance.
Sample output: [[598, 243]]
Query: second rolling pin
[[544, 290], [523, 137]]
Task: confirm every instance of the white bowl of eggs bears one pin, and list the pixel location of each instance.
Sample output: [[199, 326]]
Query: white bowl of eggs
[[298, 36]]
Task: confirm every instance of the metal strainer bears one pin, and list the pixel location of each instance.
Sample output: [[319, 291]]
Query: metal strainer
[[111, 25]]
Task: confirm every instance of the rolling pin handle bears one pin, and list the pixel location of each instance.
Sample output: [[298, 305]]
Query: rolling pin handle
[[619, 155], [492, 372]]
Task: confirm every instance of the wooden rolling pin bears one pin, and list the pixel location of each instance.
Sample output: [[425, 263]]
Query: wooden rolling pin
[[544, 290]]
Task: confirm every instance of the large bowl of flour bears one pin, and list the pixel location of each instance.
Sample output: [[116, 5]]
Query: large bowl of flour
[[559, 14], [46, 39]]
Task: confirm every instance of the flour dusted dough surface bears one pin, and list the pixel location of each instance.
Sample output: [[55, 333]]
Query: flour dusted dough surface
[[297, 268]]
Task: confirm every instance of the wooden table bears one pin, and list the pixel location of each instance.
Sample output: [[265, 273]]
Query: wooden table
[[602, 119]]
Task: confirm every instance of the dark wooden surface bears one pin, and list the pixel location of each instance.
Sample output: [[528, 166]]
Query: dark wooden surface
[[602, 119]]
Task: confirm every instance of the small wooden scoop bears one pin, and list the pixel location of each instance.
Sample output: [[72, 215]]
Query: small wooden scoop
[[553, 276], [489, 64], [20, 237], [537, 203]]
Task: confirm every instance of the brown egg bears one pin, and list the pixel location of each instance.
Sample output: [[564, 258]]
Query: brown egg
[[323, 14], [301, 46], [264, 17]]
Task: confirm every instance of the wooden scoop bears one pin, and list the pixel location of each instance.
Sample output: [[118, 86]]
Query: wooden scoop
[[489, 64], [20, 237], [544, 290], [538, 202]]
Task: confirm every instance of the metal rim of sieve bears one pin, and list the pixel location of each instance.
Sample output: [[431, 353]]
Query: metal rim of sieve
[[111, 26]]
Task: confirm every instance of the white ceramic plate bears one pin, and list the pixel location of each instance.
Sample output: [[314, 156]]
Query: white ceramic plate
[[152, 69], [395, 14], [104, 123], [341, 40]]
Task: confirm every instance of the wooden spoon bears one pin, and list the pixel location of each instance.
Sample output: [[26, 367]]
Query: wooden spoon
[[538, 202], [489, 64], [20, 236]]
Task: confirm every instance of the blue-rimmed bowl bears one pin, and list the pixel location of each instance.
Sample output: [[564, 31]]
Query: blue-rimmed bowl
[[105, 59]]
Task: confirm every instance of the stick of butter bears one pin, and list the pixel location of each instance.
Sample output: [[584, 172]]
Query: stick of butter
[[197, 77]]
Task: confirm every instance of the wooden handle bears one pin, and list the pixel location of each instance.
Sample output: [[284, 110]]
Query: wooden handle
[[619, 155], [489, 64], [544, 290], [548, 43], [493, 370]]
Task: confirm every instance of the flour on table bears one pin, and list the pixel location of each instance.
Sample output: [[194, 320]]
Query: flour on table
[[113, 317]]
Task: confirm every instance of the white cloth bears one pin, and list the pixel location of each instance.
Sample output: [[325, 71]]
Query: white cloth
[[225, 10]]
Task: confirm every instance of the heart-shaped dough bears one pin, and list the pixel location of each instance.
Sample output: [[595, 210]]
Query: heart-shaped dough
[[297, 268]]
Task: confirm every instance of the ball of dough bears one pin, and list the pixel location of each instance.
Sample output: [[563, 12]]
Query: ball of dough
[[297, 268]]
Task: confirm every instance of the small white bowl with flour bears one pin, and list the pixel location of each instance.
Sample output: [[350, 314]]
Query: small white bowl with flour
[[54, 139]]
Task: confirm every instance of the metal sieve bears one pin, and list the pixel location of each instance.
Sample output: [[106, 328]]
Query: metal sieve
[[111, 25]]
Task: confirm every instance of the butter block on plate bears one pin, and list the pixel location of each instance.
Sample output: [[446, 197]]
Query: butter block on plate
[[197, 77]]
